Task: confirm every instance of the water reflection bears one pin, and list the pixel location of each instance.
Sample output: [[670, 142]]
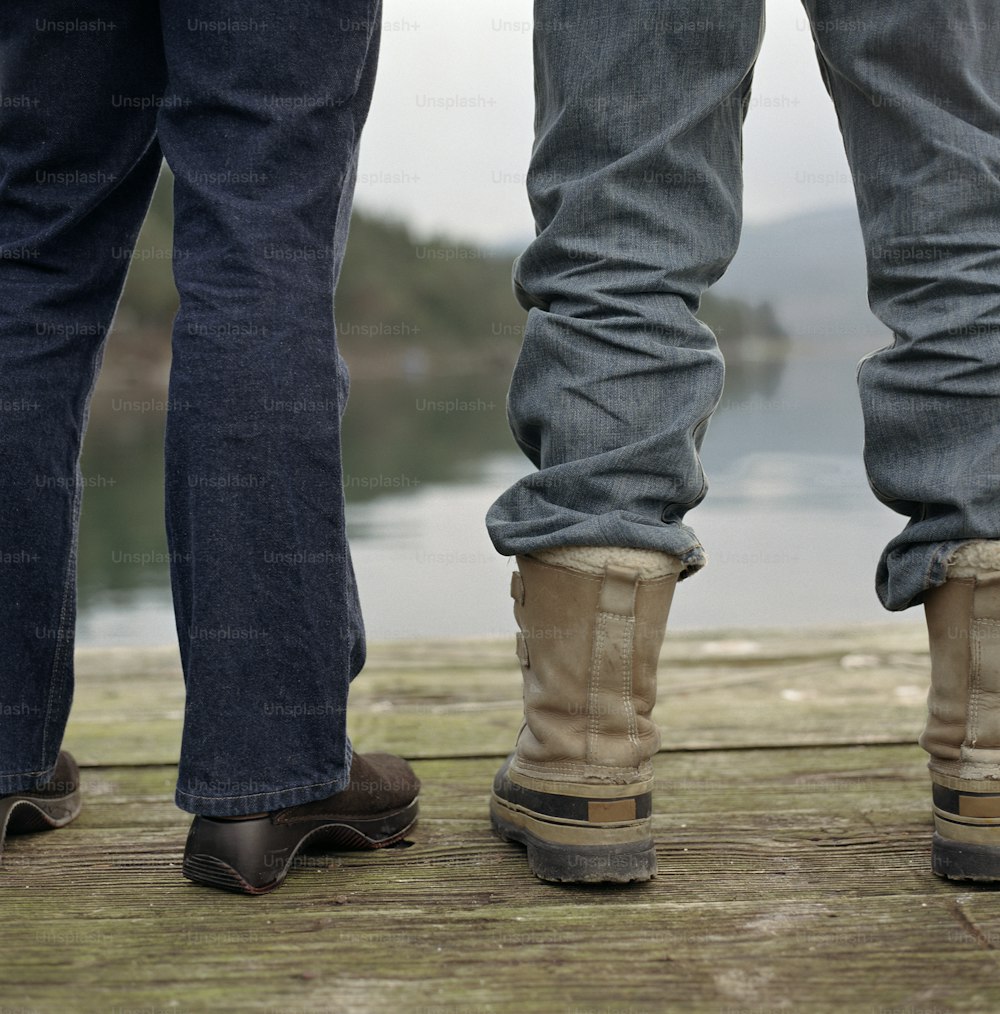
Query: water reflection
[[425, 442], [405, 434], [399, 435]]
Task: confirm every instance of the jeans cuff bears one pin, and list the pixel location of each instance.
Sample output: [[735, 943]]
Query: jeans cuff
[[907, 572], [27, 781], [266, 800]]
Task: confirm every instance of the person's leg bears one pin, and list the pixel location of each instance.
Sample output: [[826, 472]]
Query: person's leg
[[266, 105], [635, 183], [78, 163], [261, 125], [917, 91], [636, 187]]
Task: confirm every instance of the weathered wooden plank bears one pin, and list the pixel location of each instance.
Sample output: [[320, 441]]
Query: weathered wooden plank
[[810, 784], [790, 880], [463, 699], [679, 648], [825, 780], [618, 956], [685, 646]]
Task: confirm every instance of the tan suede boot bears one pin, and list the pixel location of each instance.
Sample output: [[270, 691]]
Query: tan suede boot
[[577, 791], [962, 734]]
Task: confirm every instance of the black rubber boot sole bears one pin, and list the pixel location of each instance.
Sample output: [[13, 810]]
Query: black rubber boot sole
[[623, 863], [29, 812], [576, 833], [959, 860], [254, 856]]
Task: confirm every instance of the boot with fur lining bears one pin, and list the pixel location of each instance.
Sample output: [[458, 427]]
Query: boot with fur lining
[[962, 734], [577, 790]]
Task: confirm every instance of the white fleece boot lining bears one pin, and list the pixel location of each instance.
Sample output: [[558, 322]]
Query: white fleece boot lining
[[591, 560], [973, 558]]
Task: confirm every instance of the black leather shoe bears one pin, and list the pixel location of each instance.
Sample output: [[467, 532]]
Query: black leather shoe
[[52, 805], [252, 855]]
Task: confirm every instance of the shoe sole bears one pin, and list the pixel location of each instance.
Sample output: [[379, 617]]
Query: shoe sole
[[26, 814], [211, 843], [966, 843], [587, 860], [959, 860]]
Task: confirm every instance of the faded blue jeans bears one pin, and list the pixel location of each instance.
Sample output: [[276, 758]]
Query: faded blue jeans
[[635, 183], [257, 107]]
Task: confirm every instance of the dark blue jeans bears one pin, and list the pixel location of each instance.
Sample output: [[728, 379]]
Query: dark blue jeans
[[257, 108]]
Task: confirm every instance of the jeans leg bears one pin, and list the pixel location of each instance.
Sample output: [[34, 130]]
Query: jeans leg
[[261, 129], [636, 187], [917, 91], [78, 163]]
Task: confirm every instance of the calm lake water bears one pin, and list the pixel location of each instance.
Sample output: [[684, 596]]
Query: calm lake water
[[791, 529]]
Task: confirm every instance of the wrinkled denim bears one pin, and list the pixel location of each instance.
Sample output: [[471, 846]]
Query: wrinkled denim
[[635, 183], [257, 108]]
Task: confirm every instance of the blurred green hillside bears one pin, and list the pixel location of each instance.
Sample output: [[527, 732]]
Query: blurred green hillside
[[404, 307]]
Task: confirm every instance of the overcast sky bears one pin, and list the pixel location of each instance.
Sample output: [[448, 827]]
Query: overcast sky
[[448, 139]]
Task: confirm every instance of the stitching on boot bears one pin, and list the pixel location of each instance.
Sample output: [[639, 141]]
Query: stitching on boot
[[600, 640], [984, 634], [627, 651], [582, 769], [975, 683]]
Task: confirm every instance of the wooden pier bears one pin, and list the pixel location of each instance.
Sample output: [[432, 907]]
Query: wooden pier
[[793, 828]]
